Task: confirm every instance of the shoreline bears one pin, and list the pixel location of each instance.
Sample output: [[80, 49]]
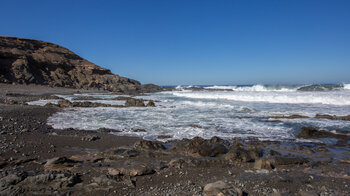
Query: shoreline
[[100, 162]]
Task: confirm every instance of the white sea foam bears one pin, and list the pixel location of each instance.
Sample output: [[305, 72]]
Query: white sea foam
[[346, 86], [258, 88], [43, 102], [332, 98], [227, 114]]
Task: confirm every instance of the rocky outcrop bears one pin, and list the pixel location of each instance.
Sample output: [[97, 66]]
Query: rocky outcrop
[[25, 61]]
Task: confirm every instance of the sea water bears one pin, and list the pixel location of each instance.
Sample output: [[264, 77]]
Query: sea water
[[223, 111]]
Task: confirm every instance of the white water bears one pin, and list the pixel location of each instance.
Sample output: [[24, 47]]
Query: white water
[[293, 97], [227, 114]]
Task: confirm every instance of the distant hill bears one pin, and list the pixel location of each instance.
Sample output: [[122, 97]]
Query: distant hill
[[26, 61]]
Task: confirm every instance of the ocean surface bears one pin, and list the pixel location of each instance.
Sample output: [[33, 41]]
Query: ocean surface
[[224, 111]]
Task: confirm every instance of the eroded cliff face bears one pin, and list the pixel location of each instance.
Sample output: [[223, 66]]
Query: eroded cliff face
[[26, 61]]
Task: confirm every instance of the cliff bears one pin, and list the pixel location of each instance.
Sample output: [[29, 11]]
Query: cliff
[[26, 61]]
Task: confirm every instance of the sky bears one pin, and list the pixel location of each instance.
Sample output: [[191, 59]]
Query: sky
[[174, 42]]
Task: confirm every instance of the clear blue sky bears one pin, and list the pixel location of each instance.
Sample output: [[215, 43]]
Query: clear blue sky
[[196, 41]]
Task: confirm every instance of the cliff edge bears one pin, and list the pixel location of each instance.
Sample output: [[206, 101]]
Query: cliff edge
[[26, 61]]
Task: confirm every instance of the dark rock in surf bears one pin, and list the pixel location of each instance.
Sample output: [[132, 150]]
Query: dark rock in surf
[[151, 104], [332, 117], [131, 102]]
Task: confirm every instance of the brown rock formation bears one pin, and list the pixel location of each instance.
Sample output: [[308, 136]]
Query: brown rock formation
[[25, 61]]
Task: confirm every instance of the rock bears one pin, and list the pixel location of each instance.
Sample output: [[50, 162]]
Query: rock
[[92, 158], [120, 153], [56, 181], [294, 116], [64, 103], [59, 163], [215, 187], [262, 164], [131, 102], [176, 163], [90, 138], [114, 172], [307, 193], [151, 104], [312, 133], [151, 88], [139, 130], [104, 180], [132, 170], [25, 61], [40, 184], [240, 154], [332, 117], [164, 136], [210, 148], [284, 160], [148, 145]]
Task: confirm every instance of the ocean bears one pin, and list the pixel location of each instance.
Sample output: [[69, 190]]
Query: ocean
[[223, 111]]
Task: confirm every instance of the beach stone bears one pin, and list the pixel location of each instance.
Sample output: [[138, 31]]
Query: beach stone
[[92, 158], [90, 138], [239, 154], [139, 130], [148, 145], [59, 163], [64, 103], [284, 160], [176, 163], [262, 164], [307, 193], [151, 104], [215, 187], [132, 170], [120, 153], [40, 184]]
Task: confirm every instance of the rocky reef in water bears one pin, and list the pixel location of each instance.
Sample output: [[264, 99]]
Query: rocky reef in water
[[26, 61]]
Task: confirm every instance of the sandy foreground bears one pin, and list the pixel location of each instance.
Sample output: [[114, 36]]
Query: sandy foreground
[[39, 160]]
